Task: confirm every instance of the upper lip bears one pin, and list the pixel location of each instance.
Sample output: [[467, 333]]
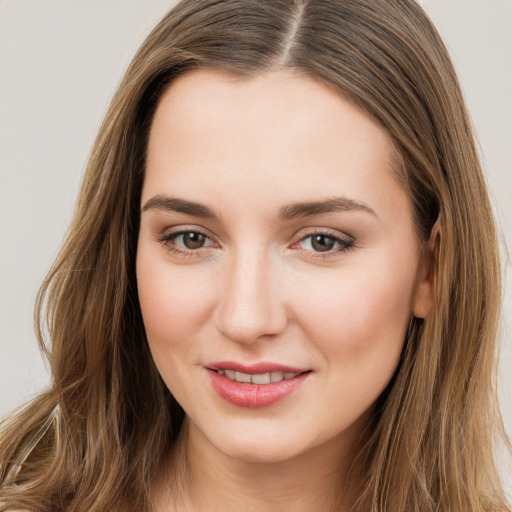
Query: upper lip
[[255, 368]]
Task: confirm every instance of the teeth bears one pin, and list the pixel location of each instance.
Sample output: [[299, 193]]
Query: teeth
[[261, 378], [230, 374], [276, 376], [257, 378], [242, 377]]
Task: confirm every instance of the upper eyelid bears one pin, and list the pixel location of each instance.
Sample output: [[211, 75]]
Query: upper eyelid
[[334, 233], [170, 232], [344, 242]]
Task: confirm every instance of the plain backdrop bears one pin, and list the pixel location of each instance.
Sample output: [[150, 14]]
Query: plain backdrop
[[60, 62]]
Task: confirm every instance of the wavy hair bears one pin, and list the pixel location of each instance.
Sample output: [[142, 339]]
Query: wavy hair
[[94, 439]]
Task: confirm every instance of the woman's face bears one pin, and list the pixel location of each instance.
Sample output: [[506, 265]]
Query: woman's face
[[275, 242]]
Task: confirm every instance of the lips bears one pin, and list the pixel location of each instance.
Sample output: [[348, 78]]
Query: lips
[[257, 385]]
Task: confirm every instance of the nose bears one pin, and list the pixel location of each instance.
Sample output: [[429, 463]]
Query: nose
[[251, 305]]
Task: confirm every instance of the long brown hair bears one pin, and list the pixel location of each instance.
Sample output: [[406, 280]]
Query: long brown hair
[[94, 440]]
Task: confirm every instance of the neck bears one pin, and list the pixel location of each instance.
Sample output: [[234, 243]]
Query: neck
[[207, 480]]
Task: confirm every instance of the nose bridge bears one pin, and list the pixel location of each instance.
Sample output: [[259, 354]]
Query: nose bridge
[[250, 303]]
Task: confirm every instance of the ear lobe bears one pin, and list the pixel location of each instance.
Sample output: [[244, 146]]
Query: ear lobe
[[424, 294]]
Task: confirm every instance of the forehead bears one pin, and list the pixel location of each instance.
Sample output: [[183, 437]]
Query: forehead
[[278, 103], [279, 132]]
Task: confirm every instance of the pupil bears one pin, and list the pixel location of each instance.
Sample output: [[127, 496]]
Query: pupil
[[322, 243], [193, 240]]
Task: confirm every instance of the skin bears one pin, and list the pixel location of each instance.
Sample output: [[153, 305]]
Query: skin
[[260, 290]]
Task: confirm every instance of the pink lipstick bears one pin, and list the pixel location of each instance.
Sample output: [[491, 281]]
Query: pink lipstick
[[256, 385]]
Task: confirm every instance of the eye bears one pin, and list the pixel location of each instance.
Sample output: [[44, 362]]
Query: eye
[[186, 241], [191, 239], [324, 243]]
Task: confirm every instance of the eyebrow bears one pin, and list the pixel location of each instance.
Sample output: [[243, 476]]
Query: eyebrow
[[335, 204], [289, 212], [175, 204]]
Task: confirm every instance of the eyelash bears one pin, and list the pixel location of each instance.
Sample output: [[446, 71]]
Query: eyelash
[[344, 244], [168, 241]]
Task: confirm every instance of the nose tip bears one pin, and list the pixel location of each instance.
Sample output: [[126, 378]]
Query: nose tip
[[245, 324], [250, 305]]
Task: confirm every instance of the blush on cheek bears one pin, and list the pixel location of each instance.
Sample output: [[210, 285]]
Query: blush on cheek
[[174, 304], [363, 315]]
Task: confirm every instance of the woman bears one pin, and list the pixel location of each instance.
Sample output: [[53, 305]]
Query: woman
[[281, 288]]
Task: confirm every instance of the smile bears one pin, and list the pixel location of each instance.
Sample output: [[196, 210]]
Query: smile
[[257, 378], [255, 386]]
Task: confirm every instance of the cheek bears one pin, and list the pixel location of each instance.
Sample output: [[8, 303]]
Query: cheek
[[358, 314], [357, 321], [174, 304]]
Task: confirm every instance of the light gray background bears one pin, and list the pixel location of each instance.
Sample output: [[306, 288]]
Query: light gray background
[[60, 62]]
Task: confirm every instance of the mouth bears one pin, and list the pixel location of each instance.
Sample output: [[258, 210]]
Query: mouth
[[255, 386], [257, 378]]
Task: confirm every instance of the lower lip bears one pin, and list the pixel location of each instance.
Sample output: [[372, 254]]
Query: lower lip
[[254, 396]]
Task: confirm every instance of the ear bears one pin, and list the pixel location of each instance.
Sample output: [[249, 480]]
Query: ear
[[424, 293]]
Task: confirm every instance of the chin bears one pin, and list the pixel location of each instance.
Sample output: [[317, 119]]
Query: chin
[[262, 451], [257, 443]]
